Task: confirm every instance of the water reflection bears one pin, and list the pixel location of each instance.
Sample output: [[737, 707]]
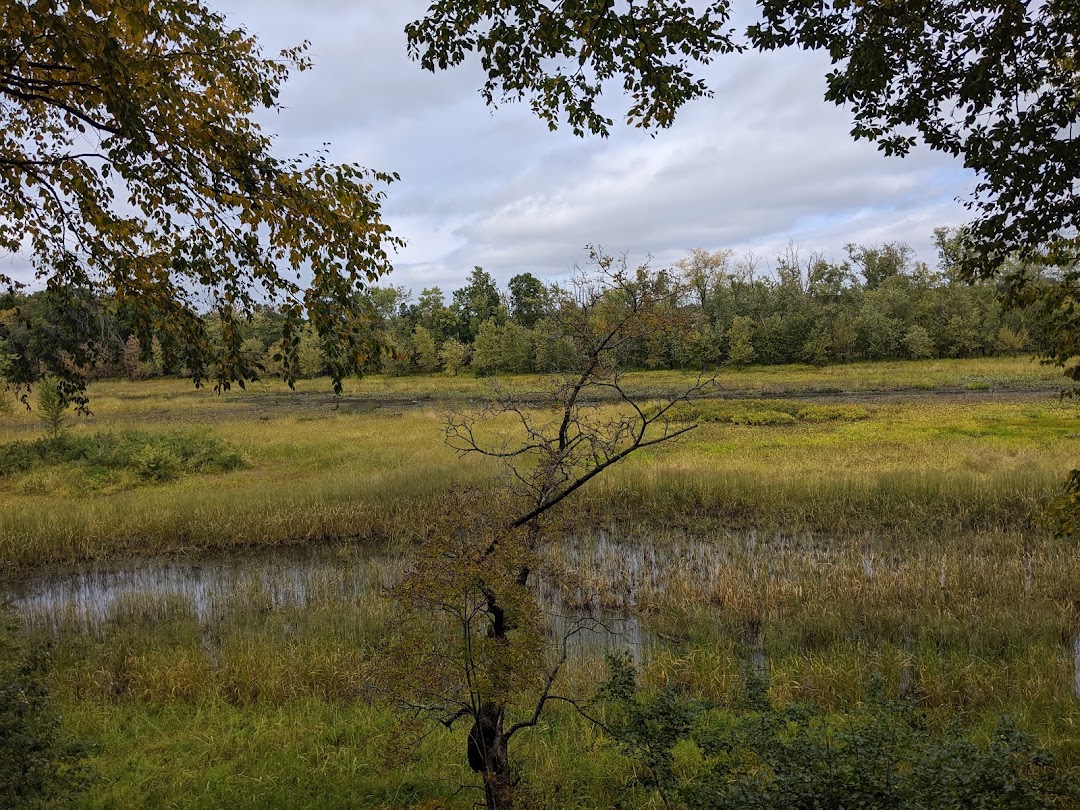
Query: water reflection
[[212, 588], [602, 582], [598, 583], [87, 597]]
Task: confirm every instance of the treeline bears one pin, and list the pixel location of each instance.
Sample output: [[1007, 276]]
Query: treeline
[[877, 304]]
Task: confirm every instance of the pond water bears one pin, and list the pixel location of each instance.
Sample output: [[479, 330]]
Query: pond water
[[208, 587], [87, 597], [602, 582], [604, 572]]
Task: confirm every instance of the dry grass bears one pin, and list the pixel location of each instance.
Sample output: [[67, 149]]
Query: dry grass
[[318, 470], [902, 541]]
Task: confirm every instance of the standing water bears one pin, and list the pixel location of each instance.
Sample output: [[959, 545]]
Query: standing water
[[1076, 665]]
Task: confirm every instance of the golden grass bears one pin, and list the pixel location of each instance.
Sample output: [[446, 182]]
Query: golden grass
[[905, 543], [319, 469]]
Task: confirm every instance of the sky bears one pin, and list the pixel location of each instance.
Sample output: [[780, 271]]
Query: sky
[[765, 161]]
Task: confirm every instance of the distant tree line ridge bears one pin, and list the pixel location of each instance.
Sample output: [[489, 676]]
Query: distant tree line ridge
[[879, 303]]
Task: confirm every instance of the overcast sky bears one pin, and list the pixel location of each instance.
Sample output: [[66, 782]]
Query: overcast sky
[[764, 161]]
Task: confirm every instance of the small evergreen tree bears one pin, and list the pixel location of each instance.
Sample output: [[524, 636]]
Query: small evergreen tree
[[1012, 341], [515, 348], [740, 346], [309, 354], [454, 356], [423, 349], [51, 407], [487, 348]]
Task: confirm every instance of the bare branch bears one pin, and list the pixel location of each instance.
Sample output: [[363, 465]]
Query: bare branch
[[545, 693]]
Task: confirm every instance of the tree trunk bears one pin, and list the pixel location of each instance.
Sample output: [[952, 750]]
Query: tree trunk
[[488, 755]]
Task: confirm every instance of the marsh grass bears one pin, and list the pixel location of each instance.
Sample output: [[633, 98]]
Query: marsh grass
[[896, 536], [253, 687], [982, 596], [177, 681], [315, 472], [125, 403], [765, 412]]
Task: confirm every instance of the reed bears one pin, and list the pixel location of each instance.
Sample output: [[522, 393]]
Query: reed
[[906, 466], [895, 536]]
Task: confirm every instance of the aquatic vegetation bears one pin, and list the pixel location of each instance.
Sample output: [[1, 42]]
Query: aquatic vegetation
[[838, 542]]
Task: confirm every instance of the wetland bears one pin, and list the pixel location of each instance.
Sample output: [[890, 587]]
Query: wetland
[[214, 632]]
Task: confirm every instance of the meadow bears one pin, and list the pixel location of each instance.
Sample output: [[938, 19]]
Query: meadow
[[821, 526], [368, 465]]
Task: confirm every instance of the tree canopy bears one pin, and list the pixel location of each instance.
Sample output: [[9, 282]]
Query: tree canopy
[[559, 56], [135, 173], [133, 167]]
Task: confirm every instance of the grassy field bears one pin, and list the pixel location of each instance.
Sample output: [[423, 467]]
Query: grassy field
[[828, 523], [370, 465]]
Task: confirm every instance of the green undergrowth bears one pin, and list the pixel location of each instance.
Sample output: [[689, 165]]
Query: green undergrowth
[[310, 753], [90, 462], [880, 753], [763, 412]]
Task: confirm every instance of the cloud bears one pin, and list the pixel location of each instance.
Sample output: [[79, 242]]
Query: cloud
[[764, 161]]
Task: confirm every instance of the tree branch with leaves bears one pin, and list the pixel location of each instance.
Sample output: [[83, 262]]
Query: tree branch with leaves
[[134, 168]]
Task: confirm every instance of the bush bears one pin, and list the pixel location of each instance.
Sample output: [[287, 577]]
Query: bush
[[487, 348], [1063, 516], [764, 412], [423, 348], [1012, 341], [764, 416], [879, 754], [454, 356], [740, 345], [40, 764], [150, 457], [157, 464], [918, 343], [51, 407], [832, 413]]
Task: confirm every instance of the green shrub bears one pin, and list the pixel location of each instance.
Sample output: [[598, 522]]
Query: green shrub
[[765, 412], [454, 356], [157, 464], [1063, 516], [51, 407], [918, 343], [879, 754], [832, 413], [150, 457], [763, 417], [40, 765]]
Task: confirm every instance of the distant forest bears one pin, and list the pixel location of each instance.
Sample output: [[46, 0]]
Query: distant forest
[[877, 304]]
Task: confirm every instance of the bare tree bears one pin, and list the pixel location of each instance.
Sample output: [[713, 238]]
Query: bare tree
[[471, 577], [703, 271]]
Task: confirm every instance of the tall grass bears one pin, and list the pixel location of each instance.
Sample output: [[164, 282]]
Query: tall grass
[[911, 466], [896, 536], [284, 655]]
